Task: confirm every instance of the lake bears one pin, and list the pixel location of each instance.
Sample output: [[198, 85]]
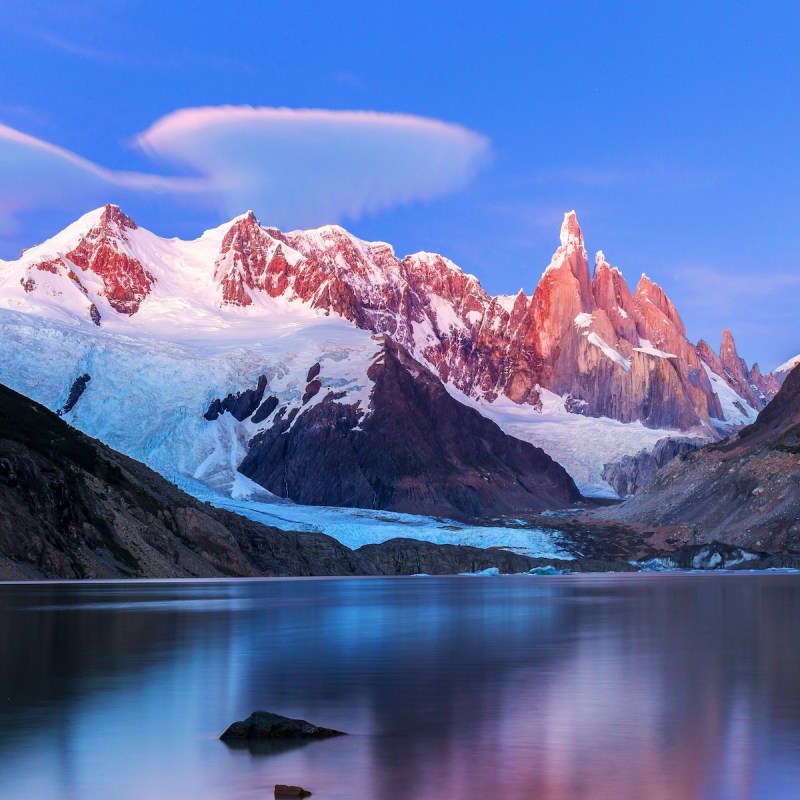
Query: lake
[[672, 686]]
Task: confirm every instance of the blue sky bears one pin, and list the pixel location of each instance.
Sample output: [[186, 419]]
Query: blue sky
[[671, 128]]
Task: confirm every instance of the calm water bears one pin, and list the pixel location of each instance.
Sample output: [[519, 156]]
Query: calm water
[[659, 686]]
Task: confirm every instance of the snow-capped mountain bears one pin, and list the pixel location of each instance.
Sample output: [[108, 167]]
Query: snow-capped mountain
[[584, 368]]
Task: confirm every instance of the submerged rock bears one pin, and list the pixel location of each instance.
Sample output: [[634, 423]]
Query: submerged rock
[[266, 725]]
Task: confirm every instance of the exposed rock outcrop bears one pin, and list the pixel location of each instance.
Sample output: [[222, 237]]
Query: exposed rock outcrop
[[417, 450], [631, 474], [242, 404], [76, 391], [102, 251], [749, 384]]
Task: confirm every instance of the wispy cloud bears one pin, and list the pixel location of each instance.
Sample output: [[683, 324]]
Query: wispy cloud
[[22, 114], [307, 167], [729, 288], [672, 176], [293, 168], [79, 49], [35, 174]]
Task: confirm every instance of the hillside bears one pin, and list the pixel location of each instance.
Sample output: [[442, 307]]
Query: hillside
[[74, 508], [744, 490]]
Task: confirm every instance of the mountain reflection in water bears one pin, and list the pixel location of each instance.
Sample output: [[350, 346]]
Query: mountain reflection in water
[[658, 686]]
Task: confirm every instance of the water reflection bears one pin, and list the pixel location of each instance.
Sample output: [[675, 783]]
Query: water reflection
[[555, 688]]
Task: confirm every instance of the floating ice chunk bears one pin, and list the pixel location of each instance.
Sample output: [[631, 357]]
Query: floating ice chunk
[[548, 569], [487, 571]]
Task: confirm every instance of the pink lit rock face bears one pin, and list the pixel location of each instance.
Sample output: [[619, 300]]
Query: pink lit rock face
[[608, 351], [126, 282]]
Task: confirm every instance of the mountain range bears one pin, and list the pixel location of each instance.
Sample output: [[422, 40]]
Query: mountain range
[[326, 370]]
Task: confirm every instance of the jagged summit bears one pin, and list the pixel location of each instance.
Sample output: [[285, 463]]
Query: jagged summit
[[113, 215], [571, 233]]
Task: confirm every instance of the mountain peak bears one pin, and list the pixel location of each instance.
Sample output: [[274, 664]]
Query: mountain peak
[[729, 356], [113, 215], [571, 233], [600, 258], [246, 220], [727, 340]]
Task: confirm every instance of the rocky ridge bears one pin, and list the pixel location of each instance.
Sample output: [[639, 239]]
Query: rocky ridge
[[631, 474]]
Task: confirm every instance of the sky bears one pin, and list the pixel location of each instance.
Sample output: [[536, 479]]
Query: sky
[[462, 128]]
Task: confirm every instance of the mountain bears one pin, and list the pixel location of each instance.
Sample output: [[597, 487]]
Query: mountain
[[744, 490], [108, 322], [417, 451]]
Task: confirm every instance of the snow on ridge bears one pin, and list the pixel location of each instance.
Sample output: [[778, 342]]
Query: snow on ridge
[[162, 387], [63, 241], [581, 444], [506, 301], [583, 320], [736, 410], [789, 365]]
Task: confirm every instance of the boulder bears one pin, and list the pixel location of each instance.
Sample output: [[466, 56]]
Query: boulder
[[290, 791], [266, 725]]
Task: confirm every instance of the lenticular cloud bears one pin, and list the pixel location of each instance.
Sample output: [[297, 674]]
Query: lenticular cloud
[[294, 168], [299, 168]]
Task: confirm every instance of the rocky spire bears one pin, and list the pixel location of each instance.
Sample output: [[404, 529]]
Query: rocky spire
[[612, 295]]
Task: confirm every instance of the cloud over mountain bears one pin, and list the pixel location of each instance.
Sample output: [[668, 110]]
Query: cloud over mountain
[[293, 167], [307, 167]]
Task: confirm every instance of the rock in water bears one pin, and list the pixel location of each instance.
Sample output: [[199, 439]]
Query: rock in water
[[265, 725], [290, 791]]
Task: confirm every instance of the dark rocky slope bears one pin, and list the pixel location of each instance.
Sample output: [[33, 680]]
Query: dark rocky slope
[[70, 507], [418, 450], [744, 490]]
